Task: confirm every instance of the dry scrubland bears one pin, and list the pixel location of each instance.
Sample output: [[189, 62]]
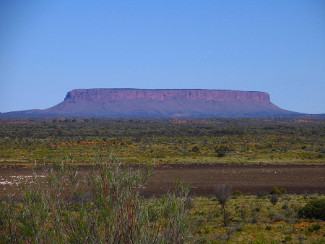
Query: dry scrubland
[[254, 219], [163, 141], [107, 205]]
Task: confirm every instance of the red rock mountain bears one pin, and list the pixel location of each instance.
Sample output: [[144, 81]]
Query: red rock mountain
[[165, 103]]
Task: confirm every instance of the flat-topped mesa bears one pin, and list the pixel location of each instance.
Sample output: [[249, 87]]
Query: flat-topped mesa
[[164, 103], [166, 94]]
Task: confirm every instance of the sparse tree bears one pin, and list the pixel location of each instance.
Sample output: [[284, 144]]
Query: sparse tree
[[223, 193], [274, 199]]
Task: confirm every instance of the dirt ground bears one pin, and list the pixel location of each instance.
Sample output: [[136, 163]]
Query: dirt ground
[[247, 178], [203, 178]]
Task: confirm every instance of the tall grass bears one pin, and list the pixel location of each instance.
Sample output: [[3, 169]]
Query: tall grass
[[104, 207]]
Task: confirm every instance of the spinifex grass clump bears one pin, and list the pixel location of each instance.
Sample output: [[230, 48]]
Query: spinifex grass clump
[[111, 210]]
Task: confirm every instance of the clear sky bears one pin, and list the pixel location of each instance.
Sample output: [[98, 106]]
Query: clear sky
[[50, 47]]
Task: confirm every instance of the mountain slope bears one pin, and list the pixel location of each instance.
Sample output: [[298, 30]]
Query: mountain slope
[[162, 103]]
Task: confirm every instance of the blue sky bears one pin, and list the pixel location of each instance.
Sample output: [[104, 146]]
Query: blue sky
[[50, 47]]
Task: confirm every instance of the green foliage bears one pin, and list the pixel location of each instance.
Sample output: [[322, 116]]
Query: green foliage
[[110, 211], [221, 150], [278, 191], [314, 209], [169, 140], [257, 223], [287, 239], [195, 149], [237, 193], [315, 227]]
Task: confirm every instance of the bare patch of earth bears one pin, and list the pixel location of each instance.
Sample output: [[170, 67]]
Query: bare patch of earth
[[203, 178], [247, 178]]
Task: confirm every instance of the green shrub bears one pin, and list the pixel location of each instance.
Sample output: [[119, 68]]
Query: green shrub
[[195, 149], [314, 227], [221, 154], [278, 191], [284, 207], [315, 209], [221, 150], [112, 210], [287, 239], [237, 193]]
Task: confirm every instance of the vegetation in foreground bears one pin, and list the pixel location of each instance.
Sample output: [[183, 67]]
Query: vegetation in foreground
[[107, 207], [163, 141], [255, 219]]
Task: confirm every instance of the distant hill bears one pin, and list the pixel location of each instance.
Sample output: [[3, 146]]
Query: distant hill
[[162, 103]]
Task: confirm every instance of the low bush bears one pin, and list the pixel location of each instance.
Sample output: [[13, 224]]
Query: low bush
[[274, 199], [112, 210], [195, 149], [278, 191], [237, 193], [315, 227], [314, 209]]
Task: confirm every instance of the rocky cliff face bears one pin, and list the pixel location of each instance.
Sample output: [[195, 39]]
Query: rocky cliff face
[[166, 103], [114, 95]]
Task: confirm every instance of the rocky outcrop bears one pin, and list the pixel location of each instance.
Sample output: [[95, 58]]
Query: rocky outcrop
[[161, 103], [114, 95], [166, 103]]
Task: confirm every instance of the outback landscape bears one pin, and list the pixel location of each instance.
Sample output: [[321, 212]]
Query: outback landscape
[[249, 180], [162, 122]]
